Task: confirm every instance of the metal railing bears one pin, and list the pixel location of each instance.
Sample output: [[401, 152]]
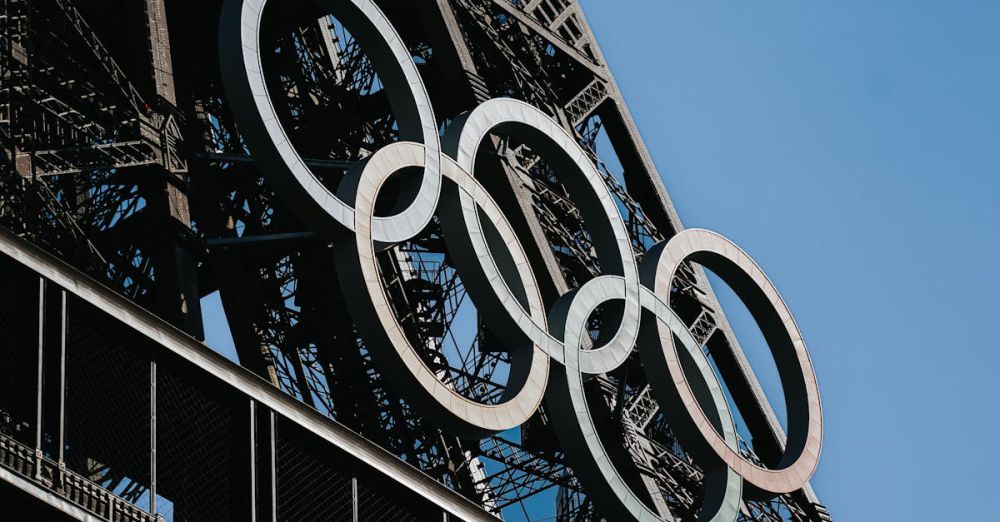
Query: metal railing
[[107, 412]]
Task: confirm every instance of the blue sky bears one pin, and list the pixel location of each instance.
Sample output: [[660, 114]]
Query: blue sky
[[851, 148]]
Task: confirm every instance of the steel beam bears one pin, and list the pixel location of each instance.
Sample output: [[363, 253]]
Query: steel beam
[[595, 67]]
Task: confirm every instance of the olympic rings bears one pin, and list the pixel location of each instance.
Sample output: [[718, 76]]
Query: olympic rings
[[494, 267]]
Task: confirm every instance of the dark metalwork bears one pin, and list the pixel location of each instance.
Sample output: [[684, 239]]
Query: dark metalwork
[[202, 418], [128, 165]]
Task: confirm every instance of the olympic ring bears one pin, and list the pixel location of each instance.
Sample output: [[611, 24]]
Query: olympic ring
[[577, 431], [359, 274], [604, 222], [492, 263], [240, 62], [735, 267]]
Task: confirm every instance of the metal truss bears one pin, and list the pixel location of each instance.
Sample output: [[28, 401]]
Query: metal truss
[[135, 171]]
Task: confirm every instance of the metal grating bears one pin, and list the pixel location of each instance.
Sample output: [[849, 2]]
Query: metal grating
[[137, 420], [380, 500], [313, 483], [107, 403], [195, 449]]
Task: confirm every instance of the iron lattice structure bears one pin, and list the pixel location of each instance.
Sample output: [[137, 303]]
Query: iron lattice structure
[[119, 154]]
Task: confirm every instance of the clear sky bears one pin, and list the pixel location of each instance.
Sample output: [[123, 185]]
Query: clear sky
[[853, 149]]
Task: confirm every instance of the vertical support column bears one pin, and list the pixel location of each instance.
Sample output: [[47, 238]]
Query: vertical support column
[[152, 436], [6, 87], [253, 460], [159, 38], [273, 465], [62, 382], [50, 410], [263, 471], [40, 378], [354, 496], [177, 296], [22, 134]]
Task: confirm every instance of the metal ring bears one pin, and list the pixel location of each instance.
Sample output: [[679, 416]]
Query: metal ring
[[246, 90], [358, 272], [498, 276], [575, 426], [477, 255], [687, 417]]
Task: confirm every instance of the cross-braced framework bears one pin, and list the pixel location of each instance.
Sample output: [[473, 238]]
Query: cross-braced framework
[[129, 165]]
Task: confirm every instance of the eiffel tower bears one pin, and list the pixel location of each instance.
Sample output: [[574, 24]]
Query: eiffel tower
[[120, 157]]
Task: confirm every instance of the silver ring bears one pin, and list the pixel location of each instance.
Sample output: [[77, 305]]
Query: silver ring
[[687, 417], [246, 90]]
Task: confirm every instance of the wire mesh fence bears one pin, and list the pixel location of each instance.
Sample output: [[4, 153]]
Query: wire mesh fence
[[107, 412], [18, 351], [317, 482], [99, 414], [199, 463], [312, 483], [378, 501]]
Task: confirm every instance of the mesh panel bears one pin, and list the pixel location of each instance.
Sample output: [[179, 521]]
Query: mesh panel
[[383, 499], [313, 483], [18, 351], [202, 441], [195, 449], [107, 402]]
